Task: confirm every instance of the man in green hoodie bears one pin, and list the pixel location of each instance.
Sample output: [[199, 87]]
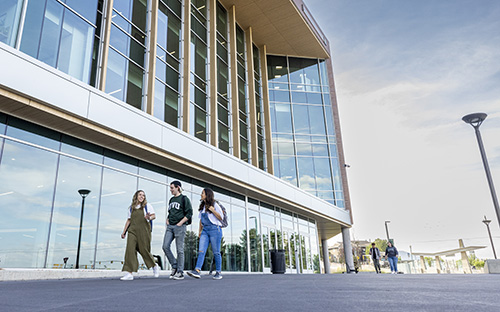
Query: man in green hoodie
[[179, 216]]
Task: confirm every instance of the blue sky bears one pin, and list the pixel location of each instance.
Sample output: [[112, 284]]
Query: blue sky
[[406, 72]]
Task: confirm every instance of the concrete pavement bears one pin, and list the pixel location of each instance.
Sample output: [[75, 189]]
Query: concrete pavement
[[257, 292]]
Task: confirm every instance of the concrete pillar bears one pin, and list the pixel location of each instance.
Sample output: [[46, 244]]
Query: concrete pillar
[[346, 237], [326, 255], [438, 265], [422, 265], [465, 259]]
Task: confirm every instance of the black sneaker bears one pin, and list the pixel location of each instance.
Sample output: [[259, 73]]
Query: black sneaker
[[217, 276], [178, 276], [194, 274], [172, 273]]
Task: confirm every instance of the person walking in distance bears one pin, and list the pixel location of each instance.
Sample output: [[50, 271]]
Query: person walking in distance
[[392, 254], [138, 226], [179, 216], [210, 214], [375, 254]]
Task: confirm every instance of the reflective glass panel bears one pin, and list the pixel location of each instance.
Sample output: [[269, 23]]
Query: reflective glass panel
[[9, 20], [25, 173]]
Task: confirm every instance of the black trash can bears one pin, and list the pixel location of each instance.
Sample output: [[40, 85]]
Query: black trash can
[[278, 265]]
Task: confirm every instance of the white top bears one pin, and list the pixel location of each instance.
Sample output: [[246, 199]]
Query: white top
[[150, 210], [212, 216]]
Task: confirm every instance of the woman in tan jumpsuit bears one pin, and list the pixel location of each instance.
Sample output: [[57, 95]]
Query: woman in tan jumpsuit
[[139, 236]]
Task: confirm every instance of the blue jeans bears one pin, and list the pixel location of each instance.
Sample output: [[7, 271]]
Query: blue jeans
[[210, 234], [393, 262]]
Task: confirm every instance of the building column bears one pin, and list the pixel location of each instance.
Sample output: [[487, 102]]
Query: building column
[[423, 269], [326, 256], [251, 99], [349, 262], [151, 68], [186, 68], [266, 109], [106, 33], [233, 65], [465, 260], [439, 269]]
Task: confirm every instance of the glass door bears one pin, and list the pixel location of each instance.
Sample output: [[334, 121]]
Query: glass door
[[269, 242]]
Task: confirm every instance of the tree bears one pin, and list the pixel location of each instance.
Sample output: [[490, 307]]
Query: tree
[[474, 261]]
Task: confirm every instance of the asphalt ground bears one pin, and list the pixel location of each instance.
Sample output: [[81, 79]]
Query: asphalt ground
[[257, 292]]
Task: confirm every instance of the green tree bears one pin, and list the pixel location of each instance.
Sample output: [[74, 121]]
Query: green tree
[[473, 260], [381, 244]]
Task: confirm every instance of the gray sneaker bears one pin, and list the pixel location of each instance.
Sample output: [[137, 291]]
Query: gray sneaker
[[217, 276], [178, 276], [194, 274], [172, 273]]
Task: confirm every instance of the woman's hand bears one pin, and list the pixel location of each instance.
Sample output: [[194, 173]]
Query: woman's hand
[[123, 235]]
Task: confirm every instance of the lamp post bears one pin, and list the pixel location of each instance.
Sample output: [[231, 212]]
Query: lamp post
[[83, 193], [487, 223], [475, 120], [387, 230]]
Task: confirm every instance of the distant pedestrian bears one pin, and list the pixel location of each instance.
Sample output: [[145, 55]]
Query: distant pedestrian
[[138, 226], [391, 253], [180, 212], [210, 214], [375, 254]]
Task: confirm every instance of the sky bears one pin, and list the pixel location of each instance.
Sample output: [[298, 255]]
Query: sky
[[406, 72]]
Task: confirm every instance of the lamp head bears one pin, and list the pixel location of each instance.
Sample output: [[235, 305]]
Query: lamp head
[[387, 222], [486, 221], [84, 193], [475, 119]]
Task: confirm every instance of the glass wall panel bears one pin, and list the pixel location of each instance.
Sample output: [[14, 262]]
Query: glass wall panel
[[236, 240], [255, 241], [27, 180], [62, 39], [125, 71], [223, 96], [166, 105], [198, 125], [9, 20], [156, 195], [117, 191], [74, 175], [304, 112]]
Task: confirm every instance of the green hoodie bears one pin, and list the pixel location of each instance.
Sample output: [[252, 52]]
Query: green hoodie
[[178, 208]]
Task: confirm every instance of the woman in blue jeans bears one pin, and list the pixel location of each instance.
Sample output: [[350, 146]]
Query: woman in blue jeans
[[391, 253], [210, 231]]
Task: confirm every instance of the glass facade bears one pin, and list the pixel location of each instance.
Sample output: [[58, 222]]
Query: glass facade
[[304, 144], [42, 170], [198, 108], [62, 34], [243, 109], [127, 52], [259, 109], [223, 83], [168, 58]]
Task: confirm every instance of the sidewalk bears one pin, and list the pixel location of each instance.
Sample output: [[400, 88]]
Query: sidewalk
[[259, 292]]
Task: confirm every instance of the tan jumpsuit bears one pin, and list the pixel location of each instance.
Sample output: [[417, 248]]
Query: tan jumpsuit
[[138, 240]]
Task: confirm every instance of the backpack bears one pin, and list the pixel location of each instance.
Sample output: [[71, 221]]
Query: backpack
[[224, 217]]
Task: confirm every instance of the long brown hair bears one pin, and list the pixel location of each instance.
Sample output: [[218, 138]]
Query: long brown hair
[[209, 199], [135, 200]]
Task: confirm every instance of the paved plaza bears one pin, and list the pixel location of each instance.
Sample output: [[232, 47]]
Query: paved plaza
[[241, 292]]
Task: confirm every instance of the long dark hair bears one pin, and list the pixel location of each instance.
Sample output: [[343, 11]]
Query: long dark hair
[[209, 199], [135, 200]]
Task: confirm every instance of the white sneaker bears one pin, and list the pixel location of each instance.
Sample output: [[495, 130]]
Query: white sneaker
[[128, 277], [156, 271]]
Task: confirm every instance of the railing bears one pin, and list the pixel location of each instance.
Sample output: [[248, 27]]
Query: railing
[[312, 23]]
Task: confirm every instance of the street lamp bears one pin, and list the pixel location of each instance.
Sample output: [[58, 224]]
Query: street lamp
[[475, 120], [487, 223], [387, 230], [84, 194]]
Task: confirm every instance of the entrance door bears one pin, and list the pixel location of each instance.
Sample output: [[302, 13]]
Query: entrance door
[[269, 240]]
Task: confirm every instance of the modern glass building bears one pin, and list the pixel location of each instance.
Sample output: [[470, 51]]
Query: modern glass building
[[112, 96]]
